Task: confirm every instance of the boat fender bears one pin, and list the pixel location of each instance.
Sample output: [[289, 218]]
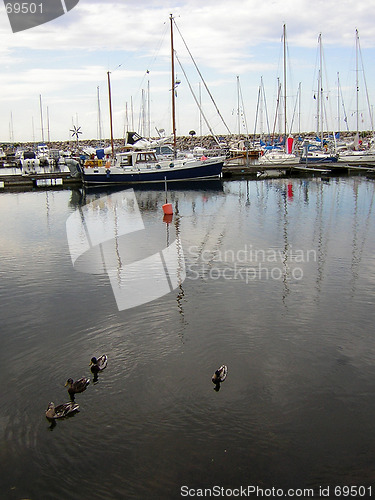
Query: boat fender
[[108, 172]]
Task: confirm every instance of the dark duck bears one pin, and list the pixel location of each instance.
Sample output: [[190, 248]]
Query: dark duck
[[219, 376], [79, 385]]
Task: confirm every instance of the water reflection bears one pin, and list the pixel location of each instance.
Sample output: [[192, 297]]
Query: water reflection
[[279, 285], [101, 240]]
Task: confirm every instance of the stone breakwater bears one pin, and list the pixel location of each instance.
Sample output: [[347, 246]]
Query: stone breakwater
[[184, 143]]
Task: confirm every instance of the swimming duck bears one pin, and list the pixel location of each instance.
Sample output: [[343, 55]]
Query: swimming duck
[[98, 364], [79, 385], [220, 374], [62, 410]]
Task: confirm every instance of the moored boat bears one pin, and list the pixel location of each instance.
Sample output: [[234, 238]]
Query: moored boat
[[318, 156], [278, 157], [358, 156], [143, 166]]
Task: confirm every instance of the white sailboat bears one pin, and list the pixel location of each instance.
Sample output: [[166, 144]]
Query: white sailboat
[[355, 153], [280, 156], [319, 153]]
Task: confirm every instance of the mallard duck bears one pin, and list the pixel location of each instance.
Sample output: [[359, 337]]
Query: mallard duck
[[98, 364], [79, 385], [62, 410], [220, 374]]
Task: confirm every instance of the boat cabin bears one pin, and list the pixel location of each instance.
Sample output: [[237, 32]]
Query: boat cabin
[[28, 155], [133, 158]]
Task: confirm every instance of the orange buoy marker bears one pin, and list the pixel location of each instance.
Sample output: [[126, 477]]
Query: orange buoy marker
[[167, 207]]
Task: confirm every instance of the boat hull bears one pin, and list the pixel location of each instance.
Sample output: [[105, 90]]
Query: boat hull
[[116, 176], [357, 158], [318, 159], [278, 160]]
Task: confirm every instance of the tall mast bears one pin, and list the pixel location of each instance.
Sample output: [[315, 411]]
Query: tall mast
[[238, 107], [132, 112], [338, 103], [357, 82], [285, 123], [143, 114], [110, 113], [320, 102], [148, 110], [99, 118], [262, 106], [299, 108], [48, 130], [173, 90], [41, 116], [200, 109]]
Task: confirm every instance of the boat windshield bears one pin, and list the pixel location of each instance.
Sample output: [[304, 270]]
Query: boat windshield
[[145, 157], [29, 155]]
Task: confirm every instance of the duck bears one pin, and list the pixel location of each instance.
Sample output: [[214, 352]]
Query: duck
[[79, 385], [220, 374], [98, 364], [62, 410]]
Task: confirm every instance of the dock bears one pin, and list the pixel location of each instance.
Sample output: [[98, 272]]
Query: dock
[[317, 170], [55, 179], [253, 169], [30, 181]]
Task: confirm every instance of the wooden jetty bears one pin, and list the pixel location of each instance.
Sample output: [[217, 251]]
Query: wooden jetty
[[38, 180], [253, 169], [63, 179]]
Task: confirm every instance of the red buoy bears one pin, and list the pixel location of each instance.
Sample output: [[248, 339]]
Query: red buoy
[[168, 209]]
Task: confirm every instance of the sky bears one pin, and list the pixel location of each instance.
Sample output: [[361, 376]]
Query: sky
[[54, 77]]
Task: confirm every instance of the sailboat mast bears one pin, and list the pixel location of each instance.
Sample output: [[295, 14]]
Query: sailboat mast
[[285, 122], [41, 116], [321, 109], [338, 102], [99, 118], [110, 113], [148, 110], [238, 108], [173, 90], [357, 82], [48, 129], [200, 108]]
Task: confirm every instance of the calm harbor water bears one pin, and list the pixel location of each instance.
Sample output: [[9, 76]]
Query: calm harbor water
[[275, 278]]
